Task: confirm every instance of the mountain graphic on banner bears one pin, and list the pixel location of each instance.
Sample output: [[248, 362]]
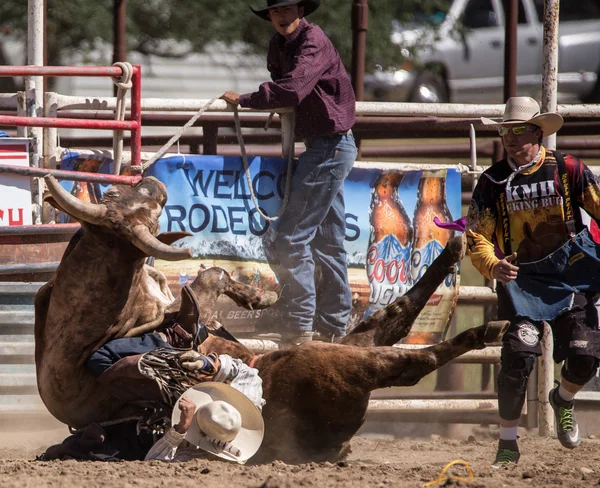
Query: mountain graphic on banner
[[390, 248], [242, 248]]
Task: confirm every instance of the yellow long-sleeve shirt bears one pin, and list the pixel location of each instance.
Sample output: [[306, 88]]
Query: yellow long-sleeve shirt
[[534, 201]]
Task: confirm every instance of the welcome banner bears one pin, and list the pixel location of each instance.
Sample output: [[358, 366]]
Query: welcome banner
[[390, 235]]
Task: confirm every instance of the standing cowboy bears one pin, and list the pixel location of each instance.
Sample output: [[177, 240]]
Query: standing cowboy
[[528, 205], [308, 74]]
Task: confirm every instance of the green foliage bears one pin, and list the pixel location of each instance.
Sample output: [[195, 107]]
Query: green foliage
[[78, 24]]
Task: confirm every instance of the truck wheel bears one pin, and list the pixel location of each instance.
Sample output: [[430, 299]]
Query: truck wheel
[[430, 88]]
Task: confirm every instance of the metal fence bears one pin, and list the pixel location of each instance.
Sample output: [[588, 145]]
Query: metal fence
[[17, 348]]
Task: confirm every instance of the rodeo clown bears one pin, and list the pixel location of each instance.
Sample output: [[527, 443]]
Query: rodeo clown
[[524, 229]]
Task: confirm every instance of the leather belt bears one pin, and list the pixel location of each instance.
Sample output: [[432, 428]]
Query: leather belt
[[309, 140]]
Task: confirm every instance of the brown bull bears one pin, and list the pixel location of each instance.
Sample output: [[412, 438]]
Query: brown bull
[[317, 394]]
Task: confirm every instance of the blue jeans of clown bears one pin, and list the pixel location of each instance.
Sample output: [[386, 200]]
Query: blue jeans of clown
[[546, 288], [305, 247]]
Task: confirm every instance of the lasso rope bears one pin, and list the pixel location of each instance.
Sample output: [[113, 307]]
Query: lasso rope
[[161, 152], [238, 129], [443, 478], [123, 83], [288, 179]]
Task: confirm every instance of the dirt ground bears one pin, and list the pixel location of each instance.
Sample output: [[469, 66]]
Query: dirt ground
[[373, 462]]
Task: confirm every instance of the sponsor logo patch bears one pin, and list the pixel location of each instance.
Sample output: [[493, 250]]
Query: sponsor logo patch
[[578, 344], [528, 334]]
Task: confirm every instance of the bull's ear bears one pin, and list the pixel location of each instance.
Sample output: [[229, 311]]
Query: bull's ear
[[170, 237]]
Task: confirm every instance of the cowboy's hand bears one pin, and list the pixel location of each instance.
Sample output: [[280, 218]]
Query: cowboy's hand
[[188, 409], [231, 97], [504, 271], [196, 362]]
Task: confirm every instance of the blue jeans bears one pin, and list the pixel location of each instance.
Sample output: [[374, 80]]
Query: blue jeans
[[545, 288], [117, 349], [309, 237]]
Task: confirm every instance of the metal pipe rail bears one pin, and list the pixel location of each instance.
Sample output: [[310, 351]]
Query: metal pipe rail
[[399, 393], [437, 406], [385, 109], [43, 229], [32, 268], [71, 175], [134, 125], [112, 71], [366, 109], [478, 411], [59, 123]]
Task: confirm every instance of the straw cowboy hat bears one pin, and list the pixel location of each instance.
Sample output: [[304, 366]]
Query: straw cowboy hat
[[226, 424], [309, 7], [525, 110]]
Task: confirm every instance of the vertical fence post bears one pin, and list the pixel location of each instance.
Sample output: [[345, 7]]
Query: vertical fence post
[[210, 133], [34, 86], [531, 418], [136, 114], [50, 150], [360, 24], [550, 63], [545, 383], [21, 112]]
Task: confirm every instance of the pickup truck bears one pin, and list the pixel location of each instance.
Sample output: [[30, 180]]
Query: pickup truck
[[458, 55]]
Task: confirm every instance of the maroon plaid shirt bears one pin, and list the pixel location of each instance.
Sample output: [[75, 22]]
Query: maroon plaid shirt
[[308, 74]]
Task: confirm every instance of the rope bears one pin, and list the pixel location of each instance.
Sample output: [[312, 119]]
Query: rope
[[288, 179], [161, 152], [442, 478], [123, 83]]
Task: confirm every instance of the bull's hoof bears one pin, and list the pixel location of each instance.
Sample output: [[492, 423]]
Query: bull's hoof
[[456, 248], [493, 331]]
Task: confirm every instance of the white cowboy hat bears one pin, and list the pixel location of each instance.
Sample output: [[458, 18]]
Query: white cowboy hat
[[525, 110], [226, 424]]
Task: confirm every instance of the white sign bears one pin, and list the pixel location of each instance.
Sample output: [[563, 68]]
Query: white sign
[[15, 190]]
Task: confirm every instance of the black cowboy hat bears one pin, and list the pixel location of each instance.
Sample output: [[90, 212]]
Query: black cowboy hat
[[309, 6]]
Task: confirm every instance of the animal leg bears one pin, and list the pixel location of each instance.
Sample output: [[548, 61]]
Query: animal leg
[[387, 326], [209, 285], [249, 297], [409, 366]]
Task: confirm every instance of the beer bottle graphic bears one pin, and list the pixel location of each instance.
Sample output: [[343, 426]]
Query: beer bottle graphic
[[429, 239], [429, 242], [388, 256]]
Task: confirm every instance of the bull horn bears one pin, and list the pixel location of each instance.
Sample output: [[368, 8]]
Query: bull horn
[[87, 212], [150, 245]]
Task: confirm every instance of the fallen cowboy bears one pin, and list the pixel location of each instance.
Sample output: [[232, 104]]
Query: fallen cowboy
[[316, 394]]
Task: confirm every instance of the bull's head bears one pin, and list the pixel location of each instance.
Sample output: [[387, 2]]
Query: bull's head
[[129, 212]]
